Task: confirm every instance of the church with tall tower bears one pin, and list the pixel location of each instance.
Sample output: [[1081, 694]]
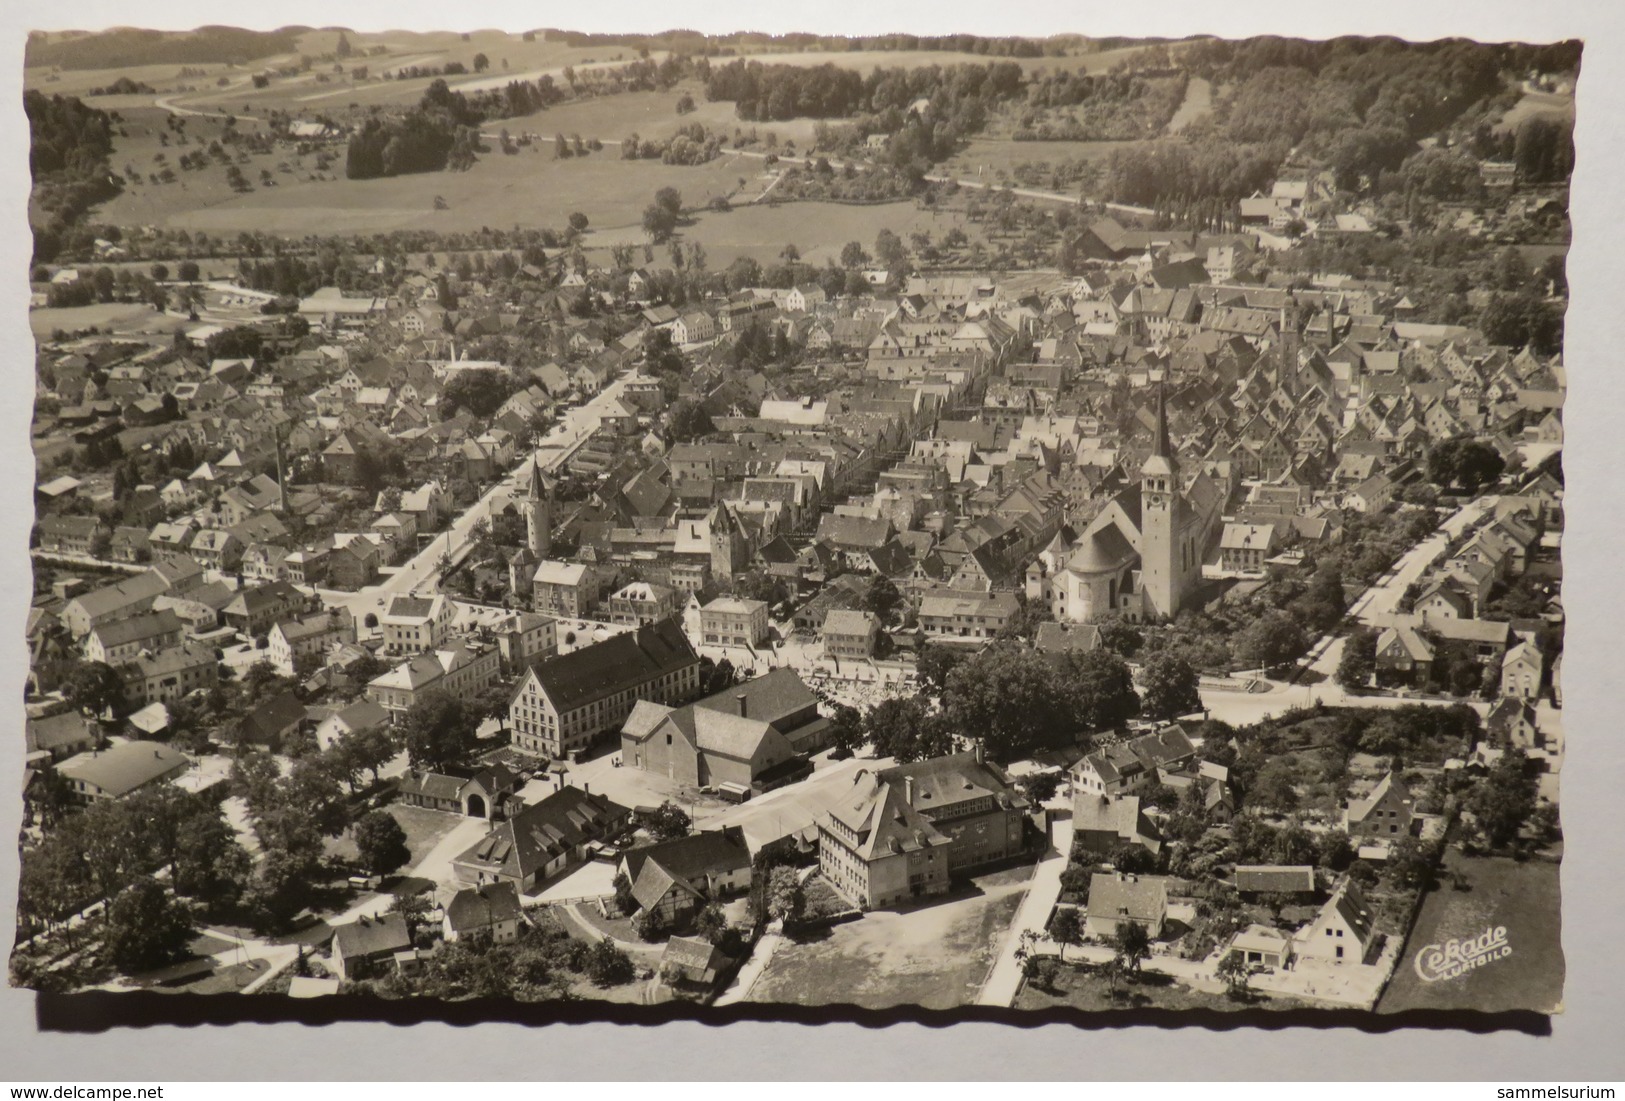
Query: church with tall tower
[[1170, 560], [1140, 558]]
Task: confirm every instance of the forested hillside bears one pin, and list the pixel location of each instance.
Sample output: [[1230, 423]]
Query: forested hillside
[[69, 147], [128, 47]]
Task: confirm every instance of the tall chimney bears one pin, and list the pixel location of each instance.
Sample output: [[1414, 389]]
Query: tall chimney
[[908, 790], [743, 706], [981, 754]]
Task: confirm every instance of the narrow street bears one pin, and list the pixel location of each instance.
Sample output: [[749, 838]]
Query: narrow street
[[419, 573], [1373, 607], [1003, 982]]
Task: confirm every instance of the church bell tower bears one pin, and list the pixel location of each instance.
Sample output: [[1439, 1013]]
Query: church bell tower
[[1161, 572]]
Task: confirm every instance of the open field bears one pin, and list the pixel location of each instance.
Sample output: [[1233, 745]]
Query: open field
[[933, 956], [163, 78], [1522, 897], [531, 188], [140, 147], [527, 189], [865, 61], [510, 57], [125, 318], [330, 86], [1534, 104], [307, 93], [611, 118], [984, 158], [1198, 102]]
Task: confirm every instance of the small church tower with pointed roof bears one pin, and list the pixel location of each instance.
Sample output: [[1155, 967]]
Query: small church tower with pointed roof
[[538, 505]]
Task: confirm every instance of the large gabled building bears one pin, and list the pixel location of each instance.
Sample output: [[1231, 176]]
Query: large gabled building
[[122, 769], [566, 703], [750, 737], [900, 833], [415, 624], [462, 670]]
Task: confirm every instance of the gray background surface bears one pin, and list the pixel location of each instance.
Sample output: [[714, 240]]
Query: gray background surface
[[1586, 1040]]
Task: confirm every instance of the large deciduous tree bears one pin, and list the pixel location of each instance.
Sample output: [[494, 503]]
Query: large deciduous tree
[[1168, 687], [146, 927], [905, 728], [1465, 462], [438, 732], [846, 732], [1065, 928], [1504, 800], [481, 390], [688, 421], [381, 843], [1359, 661], [1272, 640], [785, 898], [96, 689], [667, 822], [1133, 945], [1098, 689], [1005, 699]]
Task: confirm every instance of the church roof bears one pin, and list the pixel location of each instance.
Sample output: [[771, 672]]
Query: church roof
[[1104, 551]]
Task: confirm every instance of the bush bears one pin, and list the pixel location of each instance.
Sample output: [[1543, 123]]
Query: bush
[[649, 925], [607, 965]]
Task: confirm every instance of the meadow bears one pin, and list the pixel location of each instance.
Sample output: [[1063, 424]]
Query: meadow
[[291, 196], [531, 188], [528, 189], [985, 158], [1536, 105]]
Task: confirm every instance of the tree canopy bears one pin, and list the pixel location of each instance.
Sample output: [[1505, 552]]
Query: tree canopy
[[437, 731], [1465, 462], [146, 927], [1168, 687], [381, 843]]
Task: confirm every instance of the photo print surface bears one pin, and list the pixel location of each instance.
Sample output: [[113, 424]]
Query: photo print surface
[[894, 523]]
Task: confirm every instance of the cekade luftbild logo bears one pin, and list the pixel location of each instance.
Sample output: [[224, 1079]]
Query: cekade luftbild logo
[[1455, 958]]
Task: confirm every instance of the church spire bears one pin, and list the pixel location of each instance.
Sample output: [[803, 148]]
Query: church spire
[[537, 490], [1160, 445], [538, 509]]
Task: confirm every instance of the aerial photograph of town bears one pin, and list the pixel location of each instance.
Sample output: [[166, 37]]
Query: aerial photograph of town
[[905, 523]]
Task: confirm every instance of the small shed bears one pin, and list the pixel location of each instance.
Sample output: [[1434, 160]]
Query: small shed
[[693, 959]]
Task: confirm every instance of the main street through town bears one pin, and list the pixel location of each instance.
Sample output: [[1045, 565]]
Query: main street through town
[[420, 574]]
